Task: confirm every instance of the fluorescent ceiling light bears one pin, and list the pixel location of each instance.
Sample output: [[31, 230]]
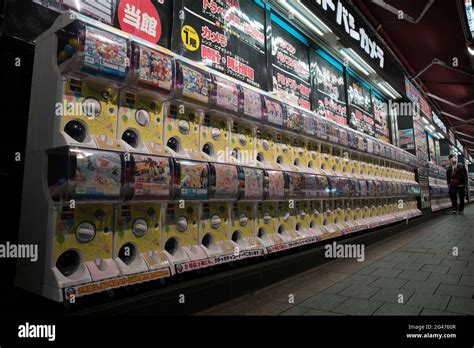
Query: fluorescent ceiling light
[[318, 21], [470, 49], [391, 89], [425, 120], [302, 18], [440, 135], [360, 60], [353, 61], [428, 129], [384, 89]]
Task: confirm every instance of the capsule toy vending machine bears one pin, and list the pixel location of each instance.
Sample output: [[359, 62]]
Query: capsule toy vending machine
[[215, 128], [329, 220], [144, 104], [339, 218], [215, 219], [305, 221], [244, 213], [79, 66], [180, 231], [267, 220], [138, 244], [288, 212], [191, 98], [268, 145]]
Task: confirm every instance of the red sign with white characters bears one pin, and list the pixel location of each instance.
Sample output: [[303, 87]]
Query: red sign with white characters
[[140, 18]]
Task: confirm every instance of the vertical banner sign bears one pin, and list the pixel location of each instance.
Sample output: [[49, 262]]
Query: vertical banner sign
[[431, 149], [452, 138], [330, 91], [406, 139], [382, 130], [415, 96], [290, 61], [228, 36], [147, 19], [101, 10], [361, 114], [422, 160]]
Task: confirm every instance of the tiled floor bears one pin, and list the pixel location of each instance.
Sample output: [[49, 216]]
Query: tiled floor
[[417, 272]]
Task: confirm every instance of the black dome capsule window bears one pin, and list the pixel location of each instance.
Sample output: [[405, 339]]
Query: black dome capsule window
[[68, 262], [171, 245], [207, 149], [236, 236], [281, 229], [207, 240], [127, 253], [130, 137], [261, 232], [76, 130], [173, 144]]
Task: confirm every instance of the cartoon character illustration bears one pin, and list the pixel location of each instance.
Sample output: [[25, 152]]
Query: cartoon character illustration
[[107, 49]]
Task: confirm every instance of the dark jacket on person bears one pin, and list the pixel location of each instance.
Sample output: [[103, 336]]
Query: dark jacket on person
[[459, 177]]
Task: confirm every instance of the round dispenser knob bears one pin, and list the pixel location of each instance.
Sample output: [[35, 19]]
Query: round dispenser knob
[[85, 232], [182, 224], [139, 227], [91, 107], [142, 117], [215, 222]]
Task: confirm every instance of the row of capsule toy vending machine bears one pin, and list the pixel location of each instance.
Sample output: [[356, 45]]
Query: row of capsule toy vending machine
[[125, 94], [157, 166]]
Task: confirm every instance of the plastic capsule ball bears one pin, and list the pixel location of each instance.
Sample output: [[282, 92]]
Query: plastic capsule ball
[[69, 50], [62, 56], [74, 42]]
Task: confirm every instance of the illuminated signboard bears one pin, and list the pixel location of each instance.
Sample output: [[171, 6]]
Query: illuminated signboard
[[439, 123], [470, 16]]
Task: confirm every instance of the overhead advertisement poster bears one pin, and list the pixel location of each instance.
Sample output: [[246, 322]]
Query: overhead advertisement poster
[[330, 92], [147, 19], [290, 61], [381, 123], [361, 113], [228, 36]]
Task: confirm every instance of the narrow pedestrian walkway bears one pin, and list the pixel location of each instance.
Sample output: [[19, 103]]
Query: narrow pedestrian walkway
[[427, 270]]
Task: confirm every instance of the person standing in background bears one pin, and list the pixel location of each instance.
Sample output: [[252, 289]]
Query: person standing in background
[[456, 176]]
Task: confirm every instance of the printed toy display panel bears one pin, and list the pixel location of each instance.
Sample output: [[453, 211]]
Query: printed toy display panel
[[225, 95], [98, 175], [252, 104], [193, 180], [151, 177], [105, 53], [155, 70], [226, 181]]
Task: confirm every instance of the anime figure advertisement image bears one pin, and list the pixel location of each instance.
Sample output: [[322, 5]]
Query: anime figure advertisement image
[[105, 52], [253, 182], [273, 112], [226, 94], [155, 69], [227, 180], [276, 184], [98, 175], [195, 85], [152, 177], [252, 103], [194, 180]]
